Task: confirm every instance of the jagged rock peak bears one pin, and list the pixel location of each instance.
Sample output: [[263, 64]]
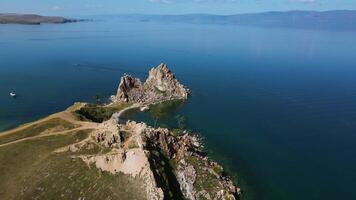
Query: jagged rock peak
[[161, 85], [127, 83]]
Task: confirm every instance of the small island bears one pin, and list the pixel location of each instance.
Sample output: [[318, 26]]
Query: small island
[[87, 152], [13, 18]]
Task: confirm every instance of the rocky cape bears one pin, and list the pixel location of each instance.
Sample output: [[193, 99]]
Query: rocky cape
[[68, 155], [175, 166], [12, 18]]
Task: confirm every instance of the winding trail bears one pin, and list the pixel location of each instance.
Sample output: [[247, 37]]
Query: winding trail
[[46, 135], [65, 115], [119, 114]]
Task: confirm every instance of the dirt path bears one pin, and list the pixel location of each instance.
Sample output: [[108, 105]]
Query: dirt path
[[46, 135], [119, 114], [65, 115]]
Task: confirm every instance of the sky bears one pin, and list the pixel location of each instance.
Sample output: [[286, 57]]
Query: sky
[[95, 7]]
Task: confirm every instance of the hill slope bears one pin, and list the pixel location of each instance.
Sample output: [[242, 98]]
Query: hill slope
[[333, 20], [11, 18]]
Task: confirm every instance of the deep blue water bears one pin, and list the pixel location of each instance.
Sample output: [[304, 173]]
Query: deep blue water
[[278, 106]]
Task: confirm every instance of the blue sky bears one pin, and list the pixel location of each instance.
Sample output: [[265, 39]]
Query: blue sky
[[88, 7]]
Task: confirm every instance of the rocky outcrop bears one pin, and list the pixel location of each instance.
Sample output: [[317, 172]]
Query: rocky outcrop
[[193, 167], [121, 151], [186, 175], [161, 85], [107, 134], [127, 84], [153, 154]]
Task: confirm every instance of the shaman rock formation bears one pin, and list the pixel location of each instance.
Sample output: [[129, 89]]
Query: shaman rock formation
[[161, 85]]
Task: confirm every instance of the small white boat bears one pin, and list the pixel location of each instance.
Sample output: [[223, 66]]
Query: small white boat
[[12, 94]]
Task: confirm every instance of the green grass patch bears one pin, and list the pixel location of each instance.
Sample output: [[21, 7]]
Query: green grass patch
[[30, 170], [218, 170], [76, 106], [63, 177], [132, 145], [177, 132], [20, 160], [55, 124], [99, 113]]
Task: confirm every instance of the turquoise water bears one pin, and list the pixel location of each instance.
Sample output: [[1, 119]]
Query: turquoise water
[[278, 106]]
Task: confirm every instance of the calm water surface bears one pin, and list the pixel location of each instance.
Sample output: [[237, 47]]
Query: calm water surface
[[277, 106]]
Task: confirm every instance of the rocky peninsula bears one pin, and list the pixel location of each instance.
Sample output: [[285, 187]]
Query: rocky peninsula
[[12, 18], [86, 153]]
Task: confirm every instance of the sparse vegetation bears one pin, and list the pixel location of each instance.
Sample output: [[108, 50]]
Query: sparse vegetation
[[70, 178], [31, 170], [177, 132], [20, 160], [55, 124], [205, 180], [132, 145], [99, 113], [218, 170], [76, 106]]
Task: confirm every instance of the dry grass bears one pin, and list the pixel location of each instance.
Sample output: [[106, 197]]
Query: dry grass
[[30, 170], [54, 124]]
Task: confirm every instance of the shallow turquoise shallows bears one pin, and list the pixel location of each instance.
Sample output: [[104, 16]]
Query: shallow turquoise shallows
[[276, 106]]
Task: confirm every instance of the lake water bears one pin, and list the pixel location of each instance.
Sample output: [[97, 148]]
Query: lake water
[[276, 106]]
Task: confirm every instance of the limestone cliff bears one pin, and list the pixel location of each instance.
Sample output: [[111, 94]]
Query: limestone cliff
[[161, 85], [197, 176], [172, 167]]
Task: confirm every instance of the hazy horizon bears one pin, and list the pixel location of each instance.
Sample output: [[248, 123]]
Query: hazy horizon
[[217, 7], [108, 14]]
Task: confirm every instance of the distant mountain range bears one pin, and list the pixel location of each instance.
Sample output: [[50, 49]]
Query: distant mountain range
[[335, 19], [330, 20], [12, 18]]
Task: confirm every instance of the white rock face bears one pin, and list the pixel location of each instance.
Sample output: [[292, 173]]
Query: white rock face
[[186, 176], [162, 79]]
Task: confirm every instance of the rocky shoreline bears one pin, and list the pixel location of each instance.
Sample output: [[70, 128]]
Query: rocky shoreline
[[189, 163], [85, 152]]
